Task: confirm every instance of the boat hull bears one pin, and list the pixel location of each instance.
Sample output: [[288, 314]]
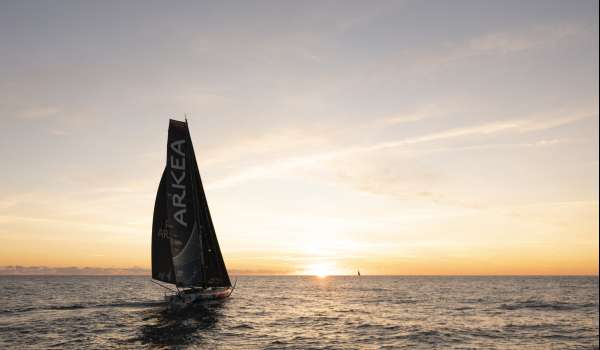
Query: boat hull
[[195, 296]]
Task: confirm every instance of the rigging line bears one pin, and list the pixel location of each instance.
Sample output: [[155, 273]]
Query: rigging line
[[165, 287], [233, 287]]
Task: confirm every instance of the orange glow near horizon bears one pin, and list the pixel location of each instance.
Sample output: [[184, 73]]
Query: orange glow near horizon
[[320, 270]]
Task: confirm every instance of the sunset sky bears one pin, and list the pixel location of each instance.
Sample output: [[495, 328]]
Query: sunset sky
[[400, 137]]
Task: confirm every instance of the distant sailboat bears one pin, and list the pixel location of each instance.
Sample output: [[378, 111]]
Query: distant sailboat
[[185, 250], [358, 272]]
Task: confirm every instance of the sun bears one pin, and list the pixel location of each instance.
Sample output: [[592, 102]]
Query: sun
[[320, 270]]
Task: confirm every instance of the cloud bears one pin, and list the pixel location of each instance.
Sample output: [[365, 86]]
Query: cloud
[[266, 272], [277, 167], [278, 141], [437, 58], [72, 270], [518, 40], [516, 125], [40, 112], [107, 210], [542, 123], [17, 270], [534, 144], [419, 114], [58, 132]]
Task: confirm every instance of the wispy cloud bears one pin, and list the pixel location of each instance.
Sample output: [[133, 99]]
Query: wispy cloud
[[518, 40], [485, 129], [275, 142], [505, 43], [58, 132], [535, 144], [498, 44], [40, 112], [69, 225], [72, 271], [422, 113]]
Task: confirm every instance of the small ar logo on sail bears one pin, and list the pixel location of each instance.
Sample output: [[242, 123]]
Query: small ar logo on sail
[[163, 231], [177, 162]]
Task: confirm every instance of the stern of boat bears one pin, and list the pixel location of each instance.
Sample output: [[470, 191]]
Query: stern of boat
[[197, 296]]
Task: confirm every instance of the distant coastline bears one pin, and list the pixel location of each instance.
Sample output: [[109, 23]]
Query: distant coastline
[[18, 270]]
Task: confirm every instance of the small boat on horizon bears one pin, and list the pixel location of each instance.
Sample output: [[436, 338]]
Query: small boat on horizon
[[358, 272], [185, 249]]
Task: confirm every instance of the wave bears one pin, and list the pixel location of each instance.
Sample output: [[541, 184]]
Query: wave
[[431, 337], [82, 306], [544, 305], [242, 326], [463, 308], [65, 307]]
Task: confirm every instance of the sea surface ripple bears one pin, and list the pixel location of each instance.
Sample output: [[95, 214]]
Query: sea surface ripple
[[294, 312]]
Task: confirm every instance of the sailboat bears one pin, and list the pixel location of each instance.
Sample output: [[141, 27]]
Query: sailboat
[[185, 249], [358, 272]]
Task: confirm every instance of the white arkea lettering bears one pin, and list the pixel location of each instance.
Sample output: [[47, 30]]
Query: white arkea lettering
[[178, 176], [178, 180], [178, 216], [178, 163], [178, 147], [178, 199]]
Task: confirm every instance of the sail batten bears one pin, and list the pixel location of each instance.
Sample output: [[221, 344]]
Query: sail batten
[[184, 219]]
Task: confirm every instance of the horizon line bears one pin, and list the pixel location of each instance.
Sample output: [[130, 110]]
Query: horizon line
[[305, 275]]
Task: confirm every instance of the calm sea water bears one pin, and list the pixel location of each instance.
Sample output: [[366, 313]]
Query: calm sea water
[[305, 313]]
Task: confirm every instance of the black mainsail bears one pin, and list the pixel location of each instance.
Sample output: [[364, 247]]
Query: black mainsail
[[185, 249], [162, 261]]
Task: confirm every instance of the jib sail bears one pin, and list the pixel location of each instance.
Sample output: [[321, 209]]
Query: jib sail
[[215, 272]]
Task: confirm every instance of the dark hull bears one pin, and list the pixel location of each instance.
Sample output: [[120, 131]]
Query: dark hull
[[192, 297]]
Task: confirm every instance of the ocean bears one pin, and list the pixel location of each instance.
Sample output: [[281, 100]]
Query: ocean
[[294, 312]]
